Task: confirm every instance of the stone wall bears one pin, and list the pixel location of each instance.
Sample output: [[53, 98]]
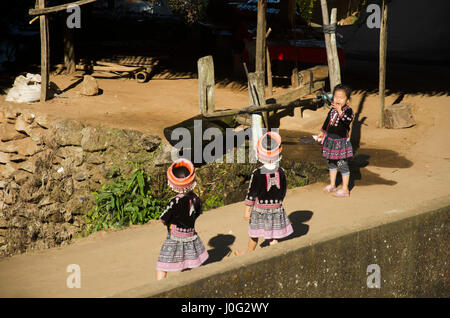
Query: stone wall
[[50, 167], [48, 171]]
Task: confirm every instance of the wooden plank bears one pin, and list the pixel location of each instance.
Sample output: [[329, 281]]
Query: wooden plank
[[383, 46], [334, 52], [109, 68], [45, 53], [44, 11], [267, 107], [118, 67], [206, 84], [297, 93], [319, 73]]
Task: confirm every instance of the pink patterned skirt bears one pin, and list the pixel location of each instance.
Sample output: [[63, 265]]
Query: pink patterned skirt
[[269, 221], [182, 249]]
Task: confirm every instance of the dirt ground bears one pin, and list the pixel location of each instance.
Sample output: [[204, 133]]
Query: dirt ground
[[393, 170]]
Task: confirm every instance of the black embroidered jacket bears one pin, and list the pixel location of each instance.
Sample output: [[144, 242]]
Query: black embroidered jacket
[[338, 125], [267, 188], [182, 210]]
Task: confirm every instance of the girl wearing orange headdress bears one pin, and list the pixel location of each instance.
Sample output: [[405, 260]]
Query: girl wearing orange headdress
[[265, 195], [182, 248]]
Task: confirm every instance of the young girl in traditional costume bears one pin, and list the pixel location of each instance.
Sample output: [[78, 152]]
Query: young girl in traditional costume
[[182, 248], [265, 195], [336, 146]]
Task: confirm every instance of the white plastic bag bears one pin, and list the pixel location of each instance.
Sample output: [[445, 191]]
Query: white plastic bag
[[26, 89]]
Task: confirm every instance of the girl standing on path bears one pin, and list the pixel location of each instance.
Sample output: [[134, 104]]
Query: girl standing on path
[[182, 248], [265, 195], [336, 146]]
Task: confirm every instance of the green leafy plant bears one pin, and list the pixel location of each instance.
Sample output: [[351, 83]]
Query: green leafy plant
[[214, 200], [123, 202], [190, 11], [305, 8]]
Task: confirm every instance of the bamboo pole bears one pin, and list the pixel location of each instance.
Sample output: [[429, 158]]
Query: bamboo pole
[[383, 47], [45, 54], [330, 60], [269, 66]]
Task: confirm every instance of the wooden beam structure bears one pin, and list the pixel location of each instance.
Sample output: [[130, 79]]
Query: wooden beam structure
[[69, 54], [288, 100], [267, 107], [44, 10]]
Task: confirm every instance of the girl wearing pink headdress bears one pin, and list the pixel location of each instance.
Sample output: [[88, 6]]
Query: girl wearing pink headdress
[[182, 248], [267, 189]]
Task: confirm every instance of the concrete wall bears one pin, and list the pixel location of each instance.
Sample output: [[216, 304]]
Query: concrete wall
[[412, 251]]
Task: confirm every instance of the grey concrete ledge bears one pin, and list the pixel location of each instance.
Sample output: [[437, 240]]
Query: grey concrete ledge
[[410, 247]]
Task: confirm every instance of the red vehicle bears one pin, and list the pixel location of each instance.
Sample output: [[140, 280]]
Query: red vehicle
[[308, 48]]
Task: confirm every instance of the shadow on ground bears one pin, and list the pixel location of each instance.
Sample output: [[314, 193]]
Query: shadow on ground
[[297, 219], [220, 247]]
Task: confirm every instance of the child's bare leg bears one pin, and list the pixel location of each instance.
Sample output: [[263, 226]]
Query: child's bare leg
[[273, 242], [252, 242], [160, 275], [333, 174], [345, 181]]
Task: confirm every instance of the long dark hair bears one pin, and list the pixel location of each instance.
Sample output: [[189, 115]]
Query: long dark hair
[[344, 88]]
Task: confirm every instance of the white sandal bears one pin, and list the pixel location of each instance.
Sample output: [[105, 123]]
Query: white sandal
[[329, 189]]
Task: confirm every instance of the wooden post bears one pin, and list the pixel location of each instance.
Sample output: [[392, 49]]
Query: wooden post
[[331, 67], [205, 67], [261, 37], [383, 46], [337, 68], [69, 50], [260, 56], [45, 52]]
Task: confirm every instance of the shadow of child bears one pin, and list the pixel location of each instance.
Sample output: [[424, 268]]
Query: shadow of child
[[297, 218], [220, 247]]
